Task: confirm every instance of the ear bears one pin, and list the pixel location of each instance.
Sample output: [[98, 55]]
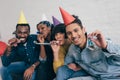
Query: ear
[[84, 30]]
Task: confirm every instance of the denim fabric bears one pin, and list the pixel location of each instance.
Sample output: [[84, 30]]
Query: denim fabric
[[27, 52], [64, 73], [14, 68], [95, 61]]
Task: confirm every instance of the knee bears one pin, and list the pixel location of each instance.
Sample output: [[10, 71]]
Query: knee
[[3, 70], [62, 69]]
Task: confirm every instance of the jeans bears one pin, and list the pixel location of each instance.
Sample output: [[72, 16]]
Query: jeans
[[14, 68], [44, 72], [65, 73]]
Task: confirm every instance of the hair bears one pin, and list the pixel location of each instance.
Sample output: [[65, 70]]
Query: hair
[[77, 20], [60, 28], [27, 25], [47, 23]]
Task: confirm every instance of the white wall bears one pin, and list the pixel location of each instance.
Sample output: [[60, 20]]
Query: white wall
[[95, 14]]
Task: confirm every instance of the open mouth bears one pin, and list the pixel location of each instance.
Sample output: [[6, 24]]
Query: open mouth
[[76, 39], [22, 39]]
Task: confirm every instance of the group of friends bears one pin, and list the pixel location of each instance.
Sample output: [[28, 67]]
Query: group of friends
[[59, 51]]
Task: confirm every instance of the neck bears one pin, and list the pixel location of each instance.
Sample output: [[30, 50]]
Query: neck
[[82, 46]]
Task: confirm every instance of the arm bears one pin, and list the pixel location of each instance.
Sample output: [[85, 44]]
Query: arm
[[10, 52], [113, 49], [28, 72], [58, 54], [103, 44], [58, 59], [42, 55], [70, 56]]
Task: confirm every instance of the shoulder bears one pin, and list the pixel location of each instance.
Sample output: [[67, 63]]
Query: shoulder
[[32, 37], [72, 49]]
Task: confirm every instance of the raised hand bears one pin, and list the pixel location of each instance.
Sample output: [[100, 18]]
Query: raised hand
[[14, 42], [98, 38], [41, 38]]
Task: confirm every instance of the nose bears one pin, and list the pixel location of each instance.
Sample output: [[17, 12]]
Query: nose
[[22, 35], [58, 36], [73, 34]]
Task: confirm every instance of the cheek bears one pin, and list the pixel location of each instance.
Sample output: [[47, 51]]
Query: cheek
[[69, 37]]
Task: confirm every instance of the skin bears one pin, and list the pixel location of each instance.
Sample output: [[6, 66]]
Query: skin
[[43, 29], [22, 33], [76, 34], [44, 34], [60, 37], [55, 44]]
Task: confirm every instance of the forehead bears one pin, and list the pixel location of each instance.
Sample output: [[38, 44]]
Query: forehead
[[41, 25], [72, 26], [22, 28]]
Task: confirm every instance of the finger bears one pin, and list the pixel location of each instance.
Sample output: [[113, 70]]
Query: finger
[[25, 76], [30, 77]]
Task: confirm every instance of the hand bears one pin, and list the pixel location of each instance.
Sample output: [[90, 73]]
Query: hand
[[28, 73], [13, 42], [55, 46], [98, 38], [41, 38], [74, 67]]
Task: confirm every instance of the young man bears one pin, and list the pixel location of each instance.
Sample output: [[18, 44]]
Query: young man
[[22, 55], [94, 54]]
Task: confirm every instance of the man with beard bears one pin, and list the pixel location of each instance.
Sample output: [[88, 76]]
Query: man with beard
[[22, 55]]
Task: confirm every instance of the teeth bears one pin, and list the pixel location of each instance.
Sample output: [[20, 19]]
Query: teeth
[[75, 39], [22, 39]]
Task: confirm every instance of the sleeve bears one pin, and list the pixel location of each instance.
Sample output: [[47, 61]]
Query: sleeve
[[57, 64], [6, 60], [69, 57], [112, 48], [113, 53]]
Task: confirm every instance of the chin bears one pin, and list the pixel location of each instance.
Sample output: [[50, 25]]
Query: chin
[[76, 43], [23, 41]]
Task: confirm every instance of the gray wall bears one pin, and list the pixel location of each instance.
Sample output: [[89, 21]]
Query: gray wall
[[95, 14]]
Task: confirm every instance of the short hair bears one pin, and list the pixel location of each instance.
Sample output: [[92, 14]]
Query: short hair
[[47, 23], [77, 20], [23, 25], [60, 28]]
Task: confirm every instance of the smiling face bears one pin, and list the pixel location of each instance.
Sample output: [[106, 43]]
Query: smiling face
[[60, 37], [76, 34], [22, 32]]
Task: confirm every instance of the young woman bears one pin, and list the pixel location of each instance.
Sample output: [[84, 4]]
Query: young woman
[[60, 45]]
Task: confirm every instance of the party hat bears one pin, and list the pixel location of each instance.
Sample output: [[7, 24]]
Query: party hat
[[22, 19], [3, 47], [55, 21], [44, 18], [67, 18]]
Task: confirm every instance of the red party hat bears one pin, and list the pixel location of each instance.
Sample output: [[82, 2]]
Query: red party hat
[[67, 18]]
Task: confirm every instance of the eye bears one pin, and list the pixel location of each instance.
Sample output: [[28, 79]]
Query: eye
[[42, 28], [75, 30], [68, 33]]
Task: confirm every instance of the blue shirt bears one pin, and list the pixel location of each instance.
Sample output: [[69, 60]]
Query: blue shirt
[[27, 52], [99, 63]]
